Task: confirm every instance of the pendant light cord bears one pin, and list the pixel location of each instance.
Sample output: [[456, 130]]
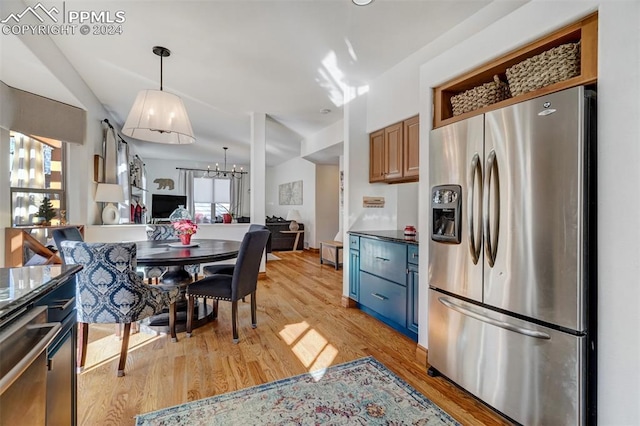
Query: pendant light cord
[[160, 72]]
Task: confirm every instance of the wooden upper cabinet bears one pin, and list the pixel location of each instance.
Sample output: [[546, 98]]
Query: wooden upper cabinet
[[585, 31], [411, 146], [393, 152], [376, 156]]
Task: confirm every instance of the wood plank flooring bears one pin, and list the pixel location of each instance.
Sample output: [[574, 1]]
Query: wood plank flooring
[[301, 327]]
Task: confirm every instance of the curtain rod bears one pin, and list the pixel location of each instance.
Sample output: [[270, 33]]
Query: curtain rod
[[213, 171]]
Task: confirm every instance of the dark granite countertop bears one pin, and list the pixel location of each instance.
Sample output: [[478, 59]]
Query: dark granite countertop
[[21, 286], [391, 235]]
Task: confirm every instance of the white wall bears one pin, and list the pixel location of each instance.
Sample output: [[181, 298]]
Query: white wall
[[292, 171], [618, 175], [325, 138], [167, 169], [327, 202]]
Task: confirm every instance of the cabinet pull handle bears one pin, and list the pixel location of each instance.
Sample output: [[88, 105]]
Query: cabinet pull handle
[[382, 258], [379, 296], [414, 255], [63, 304]]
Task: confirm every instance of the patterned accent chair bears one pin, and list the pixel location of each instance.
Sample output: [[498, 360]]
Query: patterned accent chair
[[108, 290], [165, 232], [232, 288]]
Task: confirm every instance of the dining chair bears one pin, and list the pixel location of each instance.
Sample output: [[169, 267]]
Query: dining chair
[[227, 268], [158, 232], [242, 282], [66, 234], [108, 290]]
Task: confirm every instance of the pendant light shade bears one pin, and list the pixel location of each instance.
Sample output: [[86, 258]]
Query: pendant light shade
[[159, 116]]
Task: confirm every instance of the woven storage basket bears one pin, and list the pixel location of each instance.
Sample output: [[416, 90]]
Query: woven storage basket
[[552, 66], [480, 96]]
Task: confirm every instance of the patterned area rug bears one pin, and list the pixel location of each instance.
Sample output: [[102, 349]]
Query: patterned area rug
[[361, 392]]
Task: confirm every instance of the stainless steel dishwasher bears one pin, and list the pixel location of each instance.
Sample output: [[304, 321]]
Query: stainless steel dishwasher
[[23, 367]]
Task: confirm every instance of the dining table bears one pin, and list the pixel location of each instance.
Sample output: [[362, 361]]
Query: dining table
[[174, 255]]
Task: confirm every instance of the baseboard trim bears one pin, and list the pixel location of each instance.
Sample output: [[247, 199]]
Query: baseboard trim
[[262, 274], [421, 355], [347, 302]]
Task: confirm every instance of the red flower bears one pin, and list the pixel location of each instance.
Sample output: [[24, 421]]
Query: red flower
[[185, 226]]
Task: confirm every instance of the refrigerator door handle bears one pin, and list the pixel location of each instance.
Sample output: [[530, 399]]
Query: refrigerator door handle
[[475, 241], [491, 244], [502, 324]]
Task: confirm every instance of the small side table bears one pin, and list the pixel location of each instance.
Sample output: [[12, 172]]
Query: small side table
[[295, 244], [336, 246]]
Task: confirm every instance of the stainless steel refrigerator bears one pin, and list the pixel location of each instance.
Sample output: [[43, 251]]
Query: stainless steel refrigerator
[[512, 283]]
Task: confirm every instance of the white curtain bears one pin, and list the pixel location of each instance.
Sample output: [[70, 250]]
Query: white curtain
[[237, 190], [28, 167], [123, 179], [185, 182], [110, 154]]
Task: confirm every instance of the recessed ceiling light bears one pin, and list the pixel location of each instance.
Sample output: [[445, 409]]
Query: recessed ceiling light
[[325, 111], [362, 2]]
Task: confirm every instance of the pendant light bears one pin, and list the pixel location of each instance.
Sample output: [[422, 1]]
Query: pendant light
[[159, 116]]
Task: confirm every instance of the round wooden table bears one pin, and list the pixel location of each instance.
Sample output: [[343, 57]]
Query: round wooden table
[[174, 256]]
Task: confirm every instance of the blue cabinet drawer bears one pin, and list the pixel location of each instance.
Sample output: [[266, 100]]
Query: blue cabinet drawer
[[354, 242], [412, 254], [384, 297], [384, 259]]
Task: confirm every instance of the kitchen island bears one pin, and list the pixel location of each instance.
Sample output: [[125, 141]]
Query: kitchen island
[[38, 345], [383, 277]]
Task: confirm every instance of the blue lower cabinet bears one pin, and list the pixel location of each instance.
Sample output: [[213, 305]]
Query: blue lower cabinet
[[383, 279], [384, 297], [413, 283], [354, 275]]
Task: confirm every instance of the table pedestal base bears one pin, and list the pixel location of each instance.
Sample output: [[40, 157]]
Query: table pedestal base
[[177, 276]]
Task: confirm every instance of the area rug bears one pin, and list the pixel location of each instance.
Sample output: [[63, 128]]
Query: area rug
[[361, 392]]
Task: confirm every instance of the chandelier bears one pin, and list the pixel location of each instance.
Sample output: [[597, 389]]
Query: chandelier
[[224, 173]]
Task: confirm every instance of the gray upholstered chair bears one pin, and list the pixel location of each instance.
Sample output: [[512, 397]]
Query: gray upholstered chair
[[66, 234], [165, 232], [242, 282], [108, 290], [227, 268]]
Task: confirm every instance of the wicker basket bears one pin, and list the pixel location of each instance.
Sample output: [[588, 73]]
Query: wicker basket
[[480, 96], [552, 66]]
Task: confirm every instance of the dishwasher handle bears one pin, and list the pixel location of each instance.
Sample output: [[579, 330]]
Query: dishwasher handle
[[33, 354]]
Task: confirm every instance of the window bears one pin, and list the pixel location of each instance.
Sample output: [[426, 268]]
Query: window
[[36, 167], [211, 199]]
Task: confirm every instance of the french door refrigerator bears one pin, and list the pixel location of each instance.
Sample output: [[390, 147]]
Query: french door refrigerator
[[512, 282]]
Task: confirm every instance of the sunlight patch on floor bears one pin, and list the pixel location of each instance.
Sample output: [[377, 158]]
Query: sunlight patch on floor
[[311, 347], [102, 350]]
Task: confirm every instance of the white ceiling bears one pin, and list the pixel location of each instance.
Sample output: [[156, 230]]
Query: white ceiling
[[286, 58]]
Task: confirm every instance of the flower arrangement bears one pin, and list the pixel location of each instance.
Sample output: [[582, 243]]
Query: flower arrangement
[[185, 227]]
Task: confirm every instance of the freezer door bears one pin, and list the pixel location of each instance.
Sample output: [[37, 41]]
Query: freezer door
[[533, 374], [533, 209], [455, 159]]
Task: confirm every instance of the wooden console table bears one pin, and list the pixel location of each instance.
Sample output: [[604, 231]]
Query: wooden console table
[[17, 240], [295, 244]]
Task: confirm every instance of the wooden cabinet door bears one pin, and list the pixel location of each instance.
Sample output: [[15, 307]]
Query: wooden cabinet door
[[393, 151], [411, 147], [376, 156]]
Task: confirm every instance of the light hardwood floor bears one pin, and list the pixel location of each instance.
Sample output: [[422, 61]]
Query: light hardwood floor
[[301, 327]]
